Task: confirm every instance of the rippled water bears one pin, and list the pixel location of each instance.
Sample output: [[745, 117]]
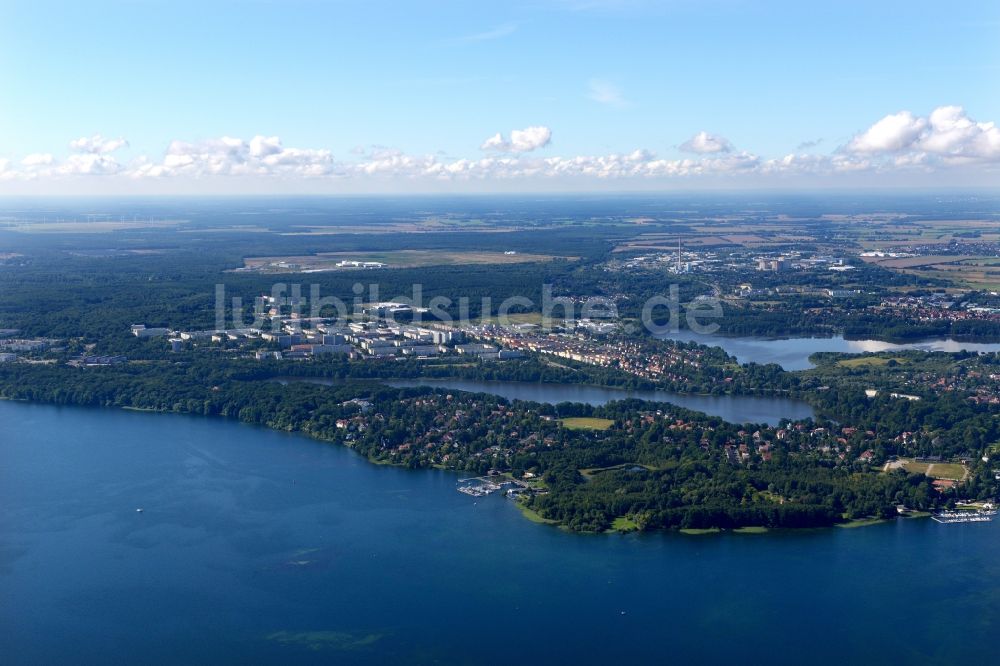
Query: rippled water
[[262, 547]]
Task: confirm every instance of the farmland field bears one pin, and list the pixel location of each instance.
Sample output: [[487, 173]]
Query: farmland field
[[934, 470]]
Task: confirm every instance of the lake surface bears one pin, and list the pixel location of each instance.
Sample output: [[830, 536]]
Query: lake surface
[[793, 353], [733, 408], [263, 547]]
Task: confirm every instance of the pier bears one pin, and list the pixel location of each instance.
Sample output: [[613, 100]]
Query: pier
[[480, 486], [983, 515]]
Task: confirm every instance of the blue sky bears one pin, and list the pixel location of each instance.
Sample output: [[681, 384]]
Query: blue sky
[[383, 96]]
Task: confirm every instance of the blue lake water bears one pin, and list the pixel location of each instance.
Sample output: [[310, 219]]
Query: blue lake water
[[794, 353], [262, 547], [733, 408]]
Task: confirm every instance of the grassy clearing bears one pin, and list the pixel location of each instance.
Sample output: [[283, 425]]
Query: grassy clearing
[[771, 497], [914, 467], [953, 471], [624, 524], [868, 361], [861, 522], [698, 530], [753, 529], [533, 515], [586, 423], [944, 470], [553, 364]]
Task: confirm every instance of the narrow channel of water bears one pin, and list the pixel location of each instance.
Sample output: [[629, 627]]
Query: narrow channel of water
[[732, 408], [793, 353]]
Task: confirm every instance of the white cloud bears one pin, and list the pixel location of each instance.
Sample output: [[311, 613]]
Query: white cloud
[[947, 135], [521, 141], [953, 134], [900, 143], [704, 143], [530, 138], [262, 146], [495, 142], [38, 160], [606, 92], [894, 132], [88, 164], [228, 156], [97, 144]]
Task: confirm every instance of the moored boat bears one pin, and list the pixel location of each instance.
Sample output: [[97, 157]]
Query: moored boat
[[983, 515]]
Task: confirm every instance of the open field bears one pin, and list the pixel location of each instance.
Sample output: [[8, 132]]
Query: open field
[[657, 242], [642, 244], [419, 226], [586, 423], [953, 471], [861, 522], [967, 276], [914, 262], [868, 361], [914, 467], [533, 515], [624, 524], [521, 318], [943, 470], [862, 231], [327, 261], [973, 271]]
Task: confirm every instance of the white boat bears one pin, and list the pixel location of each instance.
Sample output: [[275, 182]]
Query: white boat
[[983, 515]]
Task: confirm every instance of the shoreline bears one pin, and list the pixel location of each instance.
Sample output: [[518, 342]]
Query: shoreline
[[526, 512]]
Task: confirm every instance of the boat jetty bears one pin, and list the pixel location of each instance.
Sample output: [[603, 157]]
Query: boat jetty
[[485, 485], [479, 490], [983, 514]]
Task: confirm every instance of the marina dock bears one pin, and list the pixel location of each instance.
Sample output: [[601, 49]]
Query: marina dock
[[983, 515]]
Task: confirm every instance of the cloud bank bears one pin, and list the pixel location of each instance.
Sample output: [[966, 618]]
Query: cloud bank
[[898, 143], [97, 144], [947, 134]]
